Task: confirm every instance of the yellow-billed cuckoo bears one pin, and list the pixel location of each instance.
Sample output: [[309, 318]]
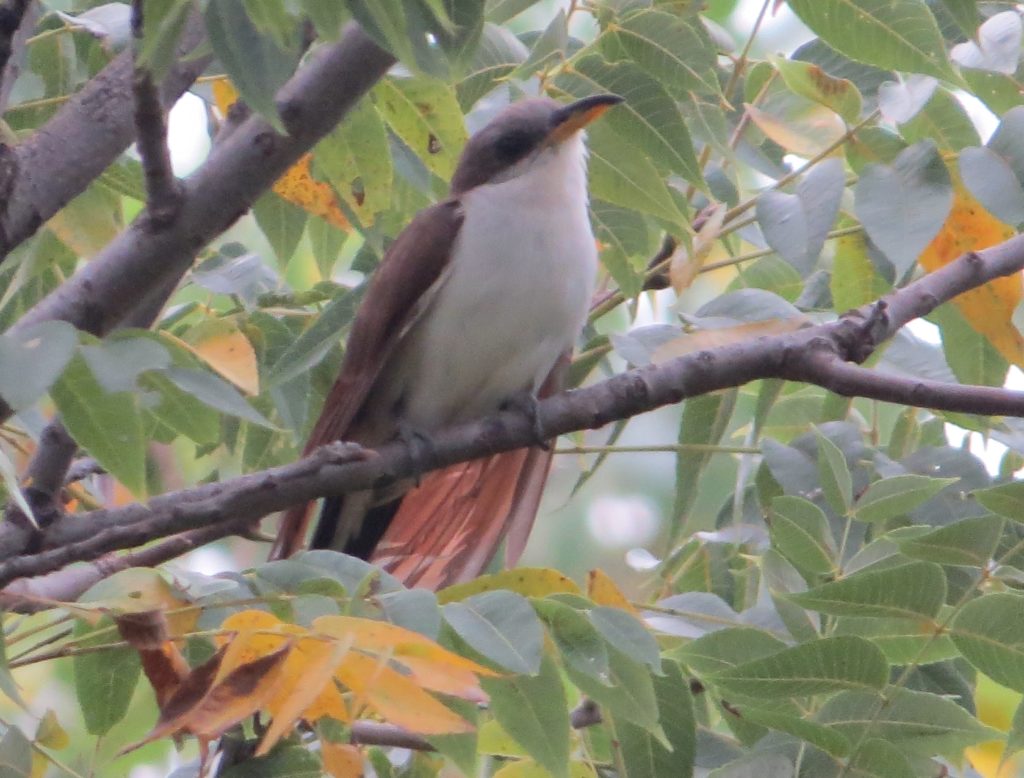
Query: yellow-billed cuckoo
[[474, 303]]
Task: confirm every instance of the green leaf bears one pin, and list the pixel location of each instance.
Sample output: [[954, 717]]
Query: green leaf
[[501, 626], [7, 684], [903, 641], [356, 158], [902, 207], [906, 591], [644, 754], [215, 392], [284, 762], [425, 114], [282, 223], [836, 482], [627, 244], [1005, 499], [896, 34], [497, 55], [534, 711], [704, 421], [164, 21], [313, 344], [621, 174], [943, 120], [797, 225], [256, 63], [548, 47], [33, 360], [855, 281], [971, 355], [648, 116], [878, 759], [107, 424], [800, 532], [181, 411], [989, 631], [628, 634], [825, 738], [810, 81], [499, 11], [917, 722], [627, 691], [727, 648], [898, 495], [819, 667], [674, 49], [581, 646], [104, 680], [970, 542]]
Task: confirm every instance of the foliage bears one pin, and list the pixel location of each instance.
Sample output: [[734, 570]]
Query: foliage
[[846, 606]]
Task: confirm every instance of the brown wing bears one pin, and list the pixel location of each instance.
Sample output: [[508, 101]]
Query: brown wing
[[413, 269]]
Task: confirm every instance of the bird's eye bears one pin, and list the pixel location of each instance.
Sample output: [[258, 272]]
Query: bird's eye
[[513, 145]]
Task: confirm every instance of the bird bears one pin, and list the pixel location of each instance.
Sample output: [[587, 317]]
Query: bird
[[476, 304]]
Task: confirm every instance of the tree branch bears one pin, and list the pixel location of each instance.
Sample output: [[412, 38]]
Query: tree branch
[[163, 194], [812, 354], [28, 595], [59, 161], [141, 263]]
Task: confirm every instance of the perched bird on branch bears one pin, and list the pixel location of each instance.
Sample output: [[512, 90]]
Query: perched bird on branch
[[476, 304]]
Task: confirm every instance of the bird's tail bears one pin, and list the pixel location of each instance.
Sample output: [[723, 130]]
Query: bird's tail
[[448, 528]]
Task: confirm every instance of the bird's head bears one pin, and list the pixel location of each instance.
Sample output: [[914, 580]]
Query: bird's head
[[519, 137]]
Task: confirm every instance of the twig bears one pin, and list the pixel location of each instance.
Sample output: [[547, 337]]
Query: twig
[[28, 595], [163, 193], [57, 162]]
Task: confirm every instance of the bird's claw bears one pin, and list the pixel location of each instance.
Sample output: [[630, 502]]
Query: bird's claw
[[526, 402]]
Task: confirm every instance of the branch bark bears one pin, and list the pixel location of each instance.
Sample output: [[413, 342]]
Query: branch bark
[[817, 355], [163, 194], [59, 161]]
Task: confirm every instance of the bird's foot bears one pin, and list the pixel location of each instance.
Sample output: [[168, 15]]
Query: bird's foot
[[526, 402], [420, 446]]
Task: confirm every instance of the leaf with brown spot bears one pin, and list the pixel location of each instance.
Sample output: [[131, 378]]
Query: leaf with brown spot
[[298, 185], [527, 581], [604, 591]]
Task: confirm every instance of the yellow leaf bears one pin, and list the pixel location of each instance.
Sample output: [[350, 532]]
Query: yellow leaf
[[397, 698], [341, 760], [527, 581], [604, 591], [989, 308], [297, 185], [228, 351], [308, 670], [84, 226], [427, 663], [699, 340]]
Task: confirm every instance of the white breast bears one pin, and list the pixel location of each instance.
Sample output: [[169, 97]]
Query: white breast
[[517, 296]]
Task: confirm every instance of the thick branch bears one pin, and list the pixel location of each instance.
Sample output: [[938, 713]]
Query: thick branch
[[57, 162], [125, 273], [162, 191]]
